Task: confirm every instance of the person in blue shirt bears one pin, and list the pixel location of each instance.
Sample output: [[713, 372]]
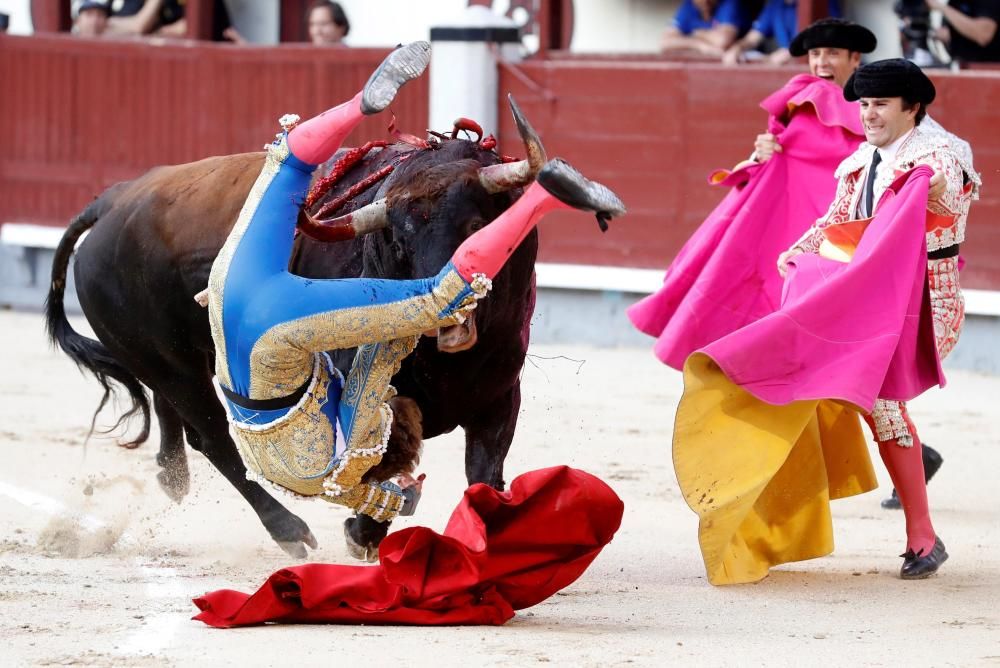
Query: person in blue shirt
[[777, 22], [708, 27]]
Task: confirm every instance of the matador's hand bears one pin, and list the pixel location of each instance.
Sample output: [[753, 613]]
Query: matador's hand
[[784, 258], [412, 489], [937, 186], [765, 146]]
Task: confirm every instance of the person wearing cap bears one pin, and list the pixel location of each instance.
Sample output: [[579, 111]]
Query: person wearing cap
[[834, 48], [894, 96], [92, 18], [724, 278]]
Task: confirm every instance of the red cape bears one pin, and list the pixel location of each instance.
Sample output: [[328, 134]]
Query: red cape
[[501, 551]]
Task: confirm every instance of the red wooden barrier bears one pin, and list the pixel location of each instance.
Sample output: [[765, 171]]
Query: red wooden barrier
[[79, 115], [653, 130]]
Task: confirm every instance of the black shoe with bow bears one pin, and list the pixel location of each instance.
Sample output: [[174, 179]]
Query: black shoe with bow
[[932, 462], [917, 566]]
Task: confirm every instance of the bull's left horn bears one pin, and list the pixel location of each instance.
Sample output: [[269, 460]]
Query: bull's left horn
[[367, 219], [498, 178]]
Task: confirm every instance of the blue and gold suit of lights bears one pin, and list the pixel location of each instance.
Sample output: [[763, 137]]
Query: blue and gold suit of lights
[[271, 329]]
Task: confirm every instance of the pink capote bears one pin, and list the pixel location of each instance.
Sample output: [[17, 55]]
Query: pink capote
[[501, 552], [725, 276], [853, 331]]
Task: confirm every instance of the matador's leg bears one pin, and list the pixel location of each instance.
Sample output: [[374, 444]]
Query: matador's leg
[[900, 448]]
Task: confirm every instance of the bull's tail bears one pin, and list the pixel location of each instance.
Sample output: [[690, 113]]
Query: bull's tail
[[88, 353]]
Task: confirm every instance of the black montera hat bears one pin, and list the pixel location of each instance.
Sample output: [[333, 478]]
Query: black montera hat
[[833, 34], [896, 77]]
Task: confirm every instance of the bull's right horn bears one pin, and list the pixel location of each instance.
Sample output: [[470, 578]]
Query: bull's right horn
[[367, 219], [506, 176]]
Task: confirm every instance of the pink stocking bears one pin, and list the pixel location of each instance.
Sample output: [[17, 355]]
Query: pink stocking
[[486, 251], [906, 468], [316, 140]]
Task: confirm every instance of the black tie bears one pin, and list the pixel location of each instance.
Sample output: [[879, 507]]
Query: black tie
[[870, 185]]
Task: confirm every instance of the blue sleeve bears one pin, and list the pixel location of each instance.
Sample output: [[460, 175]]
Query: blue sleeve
[[685, 18], [731, 13], [786, 25], [765, 23]]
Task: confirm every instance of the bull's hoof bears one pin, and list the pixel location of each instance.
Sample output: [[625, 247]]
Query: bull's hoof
[[365, 549], [405, 63], [294, 550], [176, 483], [297, 548], [360, 552], [174, 478]]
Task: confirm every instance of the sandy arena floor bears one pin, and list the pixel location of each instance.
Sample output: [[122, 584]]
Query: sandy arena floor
[[98, 566]]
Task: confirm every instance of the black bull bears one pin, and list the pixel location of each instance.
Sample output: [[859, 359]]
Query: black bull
[[151, 245]]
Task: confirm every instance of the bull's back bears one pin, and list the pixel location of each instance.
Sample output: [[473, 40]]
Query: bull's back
[[152, 248]]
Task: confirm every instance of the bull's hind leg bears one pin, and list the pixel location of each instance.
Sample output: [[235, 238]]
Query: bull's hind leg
[[174, 478], [208, 432], [488, 436]]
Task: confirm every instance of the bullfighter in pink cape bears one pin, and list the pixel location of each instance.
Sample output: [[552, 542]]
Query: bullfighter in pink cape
[[768, 429], [724, 278]]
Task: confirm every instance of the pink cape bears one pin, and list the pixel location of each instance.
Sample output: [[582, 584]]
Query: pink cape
[[725, 276], [501, 551], [852, 331]]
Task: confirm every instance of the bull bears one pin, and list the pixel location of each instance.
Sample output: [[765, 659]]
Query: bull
[[150, 248]]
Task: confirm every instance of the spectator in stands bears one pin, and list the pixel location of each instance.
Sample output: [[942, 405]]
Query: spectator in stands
[[4, 22], [706, 26], [165, 18], [91, 18], [328, 24], [970, 29], [777, 22], [771, 34]]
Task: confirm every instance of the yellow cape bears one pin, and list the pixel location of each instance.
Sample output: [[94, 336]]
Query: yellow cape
[[760, 477]]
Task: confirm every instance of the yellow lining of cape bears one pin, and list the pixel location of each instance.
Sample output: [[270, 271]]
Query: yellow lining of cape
[[760, 477]]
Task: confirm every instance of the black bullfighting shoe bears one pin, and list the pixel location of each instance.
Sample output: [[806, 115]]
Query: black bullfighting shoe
[[917, 566], [571, 187], [405, 63], [932, 462]]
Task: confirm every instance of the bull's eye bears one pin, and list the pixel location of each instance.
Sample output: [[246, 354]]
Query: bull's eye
[[475, 225]]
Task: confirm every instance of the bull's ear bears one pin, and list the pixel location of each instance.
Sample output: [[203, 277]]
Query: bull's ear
[[365, 220], [510, 175]]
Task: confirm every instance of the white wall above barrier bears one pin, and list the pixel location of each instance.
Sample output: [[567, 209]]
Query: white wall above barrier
[[464, 77]]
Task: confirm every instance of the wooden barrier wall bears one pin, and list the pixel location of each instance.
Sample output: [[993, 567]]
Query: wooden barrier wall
[[79, 115], [654, 130]]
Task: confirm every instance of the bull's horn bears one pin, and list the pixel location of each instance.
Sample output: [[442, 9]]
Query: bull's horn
[[498, 178], [369, 218]]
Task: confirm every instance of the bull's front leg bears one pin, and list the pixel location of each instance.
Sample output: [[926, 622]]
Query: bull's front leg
[[488, 436]]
